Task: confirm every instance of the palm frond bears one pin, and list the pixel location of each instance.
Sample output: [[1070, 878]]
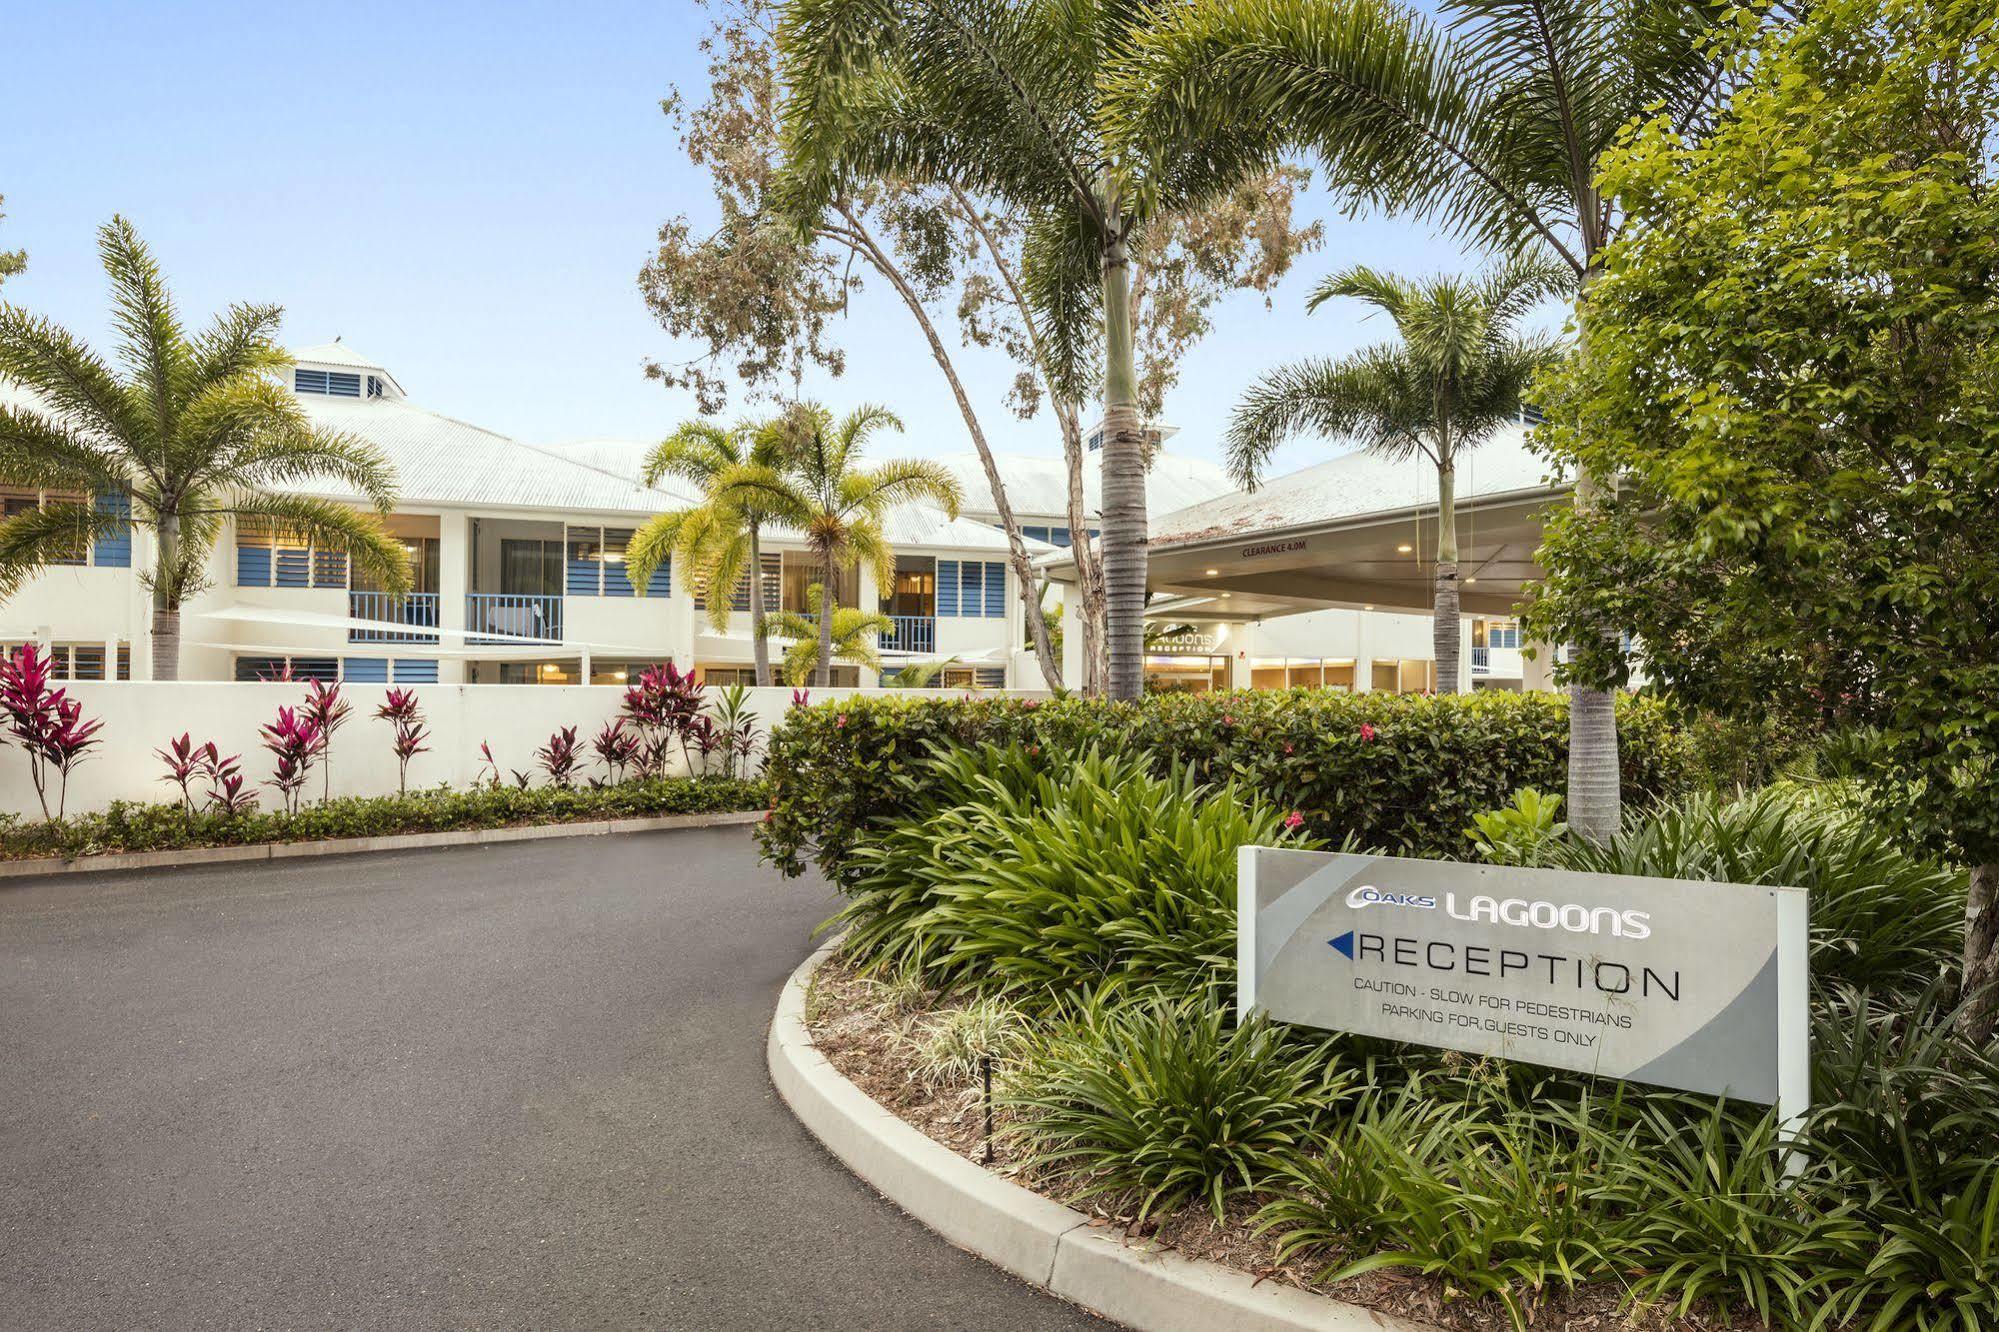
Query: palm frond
[[335, 526], [243, 340], [37, 450], [155, 351], [52, 534], [1377, 396], [78, 389]]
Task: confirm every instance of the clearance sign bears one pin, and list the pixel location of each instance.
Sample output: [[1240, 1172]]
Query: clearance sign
[[1699, 986]]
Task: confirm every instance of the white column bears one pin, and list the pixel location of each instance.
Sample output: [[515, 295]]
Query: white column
[[454, 575]]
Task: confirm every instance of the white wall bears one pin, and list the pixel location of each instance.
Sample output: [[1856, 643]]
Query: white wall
[[140, 718]]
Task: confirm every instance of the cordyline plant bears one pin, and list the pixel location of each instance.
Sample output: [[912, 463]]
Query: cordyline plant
[[325, 709], [294, 741], [559, 757], [662, 707], [616, 748], [45, 722], [187, 761], [400, 709]]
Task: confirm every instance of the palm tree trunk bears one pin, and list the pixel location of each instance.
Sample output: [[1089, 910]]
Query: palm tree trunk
[[1124, 475], [1444, 612], [166, 605], [1981, 954], [823, 673], [1596, 792], [759, 649]]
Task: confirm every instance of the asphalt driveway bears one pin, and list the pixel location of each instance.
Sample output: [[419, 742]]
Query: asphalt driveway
[[497, 1087]]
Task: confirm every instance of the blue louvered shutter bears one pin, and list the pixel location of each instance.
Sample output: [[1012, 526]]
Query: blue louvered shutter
[[971, 589], [617, 581], [995, 590], [329, 568], [309, 381], [294, 568], [113, 550], [947, 587], [990, 677], [253, 567], [366, 670], [416, 670], [661, 582], [583, 573], [343, 385]]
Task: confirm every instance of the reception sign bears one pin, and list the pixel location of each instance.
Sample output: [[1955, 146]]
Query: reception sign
[[1699, 986]]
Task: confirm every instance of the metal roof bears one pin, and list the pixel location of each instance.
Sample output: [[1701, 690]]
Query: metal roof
[[1352, 486], [1038, 486]]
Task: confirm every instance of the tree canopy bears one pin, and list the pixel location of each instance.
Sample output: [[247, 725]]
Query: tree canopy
[[1791, 361]]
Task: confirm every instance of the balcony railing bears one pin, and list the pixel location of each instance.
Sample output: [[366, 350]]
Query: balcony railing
[[502, 617], [1481, 660], [910, 633], [418, 610]]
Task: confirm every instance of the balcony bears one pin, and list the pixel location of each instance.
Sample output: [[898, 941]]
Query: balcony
[[416, 610], [1481, 661], [910, 633], [495, 619]]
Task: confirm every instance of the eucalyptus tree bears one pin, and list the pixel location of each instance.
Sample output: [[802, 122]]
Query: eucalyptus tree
[[1489, 118], [1454, 378], [720, 540], [1003, 99], [195, 430], [839, 507]]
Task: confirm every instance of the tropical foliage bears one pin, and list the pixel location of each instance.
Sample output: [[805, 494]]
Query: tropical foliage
[[1489, 118], [822, 492], [1455, 377], [1789, 359], [1405, 773], [1004, 102], [195, 430], [853, 636]]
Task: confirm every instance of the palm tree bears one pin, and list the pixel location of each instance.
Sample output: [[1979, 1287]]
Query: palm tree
[[1002, 100], [721, 541], [1455, 377], [836, 505], [853, 635], [1490, 119], [195, 430]]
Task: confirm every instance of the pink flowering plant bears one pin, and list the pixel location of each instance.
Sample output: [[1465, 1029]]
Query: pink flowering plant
[[560, 756], [325, 709], [45, 722], [616, 748]]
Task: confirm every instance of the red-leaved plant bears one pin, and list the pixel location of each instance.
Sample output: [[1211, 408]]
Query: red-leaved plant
[[324, 708], [616, 748], [45, 722], [663, 707], [399, 708], [559, 757], [294, 741]]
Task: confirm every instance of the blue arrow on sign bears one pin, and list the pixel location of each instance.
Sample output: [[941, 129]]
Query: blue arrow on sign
[[1344, 944]]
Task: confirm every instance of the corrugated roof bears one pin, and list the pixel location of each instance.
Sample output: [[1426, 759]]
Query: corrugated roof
[[1038, 486], [337, 353], [1352, 486]]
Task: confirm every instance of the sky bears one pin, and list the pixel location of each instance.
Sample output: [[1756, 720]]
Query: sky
[[466, 193]]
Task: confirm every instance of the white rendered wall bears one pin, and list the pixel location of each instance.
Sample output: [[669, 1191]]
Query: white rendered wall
[[517, 719]]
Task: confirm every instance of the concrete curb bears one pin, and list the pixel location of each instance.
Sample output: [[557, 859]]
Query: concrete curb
[[1039, 1241], [351, 846]]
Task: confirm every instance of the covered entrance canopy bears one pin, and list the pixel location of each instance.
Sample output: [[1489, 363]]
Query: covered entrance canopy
[[1357, 533]]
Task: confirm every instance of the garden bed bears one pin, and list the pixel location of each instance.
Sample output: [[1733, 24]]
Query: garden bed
[[127, 827], [873, 1032]]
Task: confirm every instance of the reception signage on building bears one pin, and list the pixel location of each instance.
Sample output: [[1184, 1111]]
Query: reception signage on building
[[1698, 986]]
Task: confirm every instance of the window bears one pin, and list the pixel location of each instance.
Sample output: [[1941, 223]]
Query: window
[[109, 550], [595, 565], [540, 672], [253, 669], [79, 661], [375, 386], [420, 670], [335, 383], [971, 588], [721, 677], [800, 573], [975, 677], [424, 555], [381, 670], [267, 556], [915, 591]]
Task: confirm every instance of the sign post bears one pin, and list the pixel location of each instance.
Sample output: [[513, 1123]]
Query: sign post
[[1679, 983]]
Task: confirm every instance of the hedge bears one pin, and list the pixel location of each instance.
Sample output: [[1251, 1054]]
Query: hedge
[[129, 826], [1401, 773]]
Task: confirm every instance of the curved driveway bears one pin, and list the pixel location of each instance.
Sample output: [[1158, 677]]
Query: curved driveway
[[518, 1086]]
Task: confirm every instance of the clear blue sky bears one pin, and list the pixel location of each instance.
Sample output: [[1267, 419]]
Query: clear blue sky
[[467, 191]]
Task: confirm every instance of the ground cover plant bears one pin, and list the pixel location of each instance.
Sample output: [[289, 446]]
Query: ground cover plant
[[129, 826], [1513, 1196], [1402, 773]]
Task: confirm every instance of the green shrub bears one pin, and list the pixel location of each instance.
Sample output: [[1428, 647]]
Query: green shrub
[[950, 1046], [1169, 1102], [1882, 917], [126, 826], [1018, 875], [1404, 773]]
